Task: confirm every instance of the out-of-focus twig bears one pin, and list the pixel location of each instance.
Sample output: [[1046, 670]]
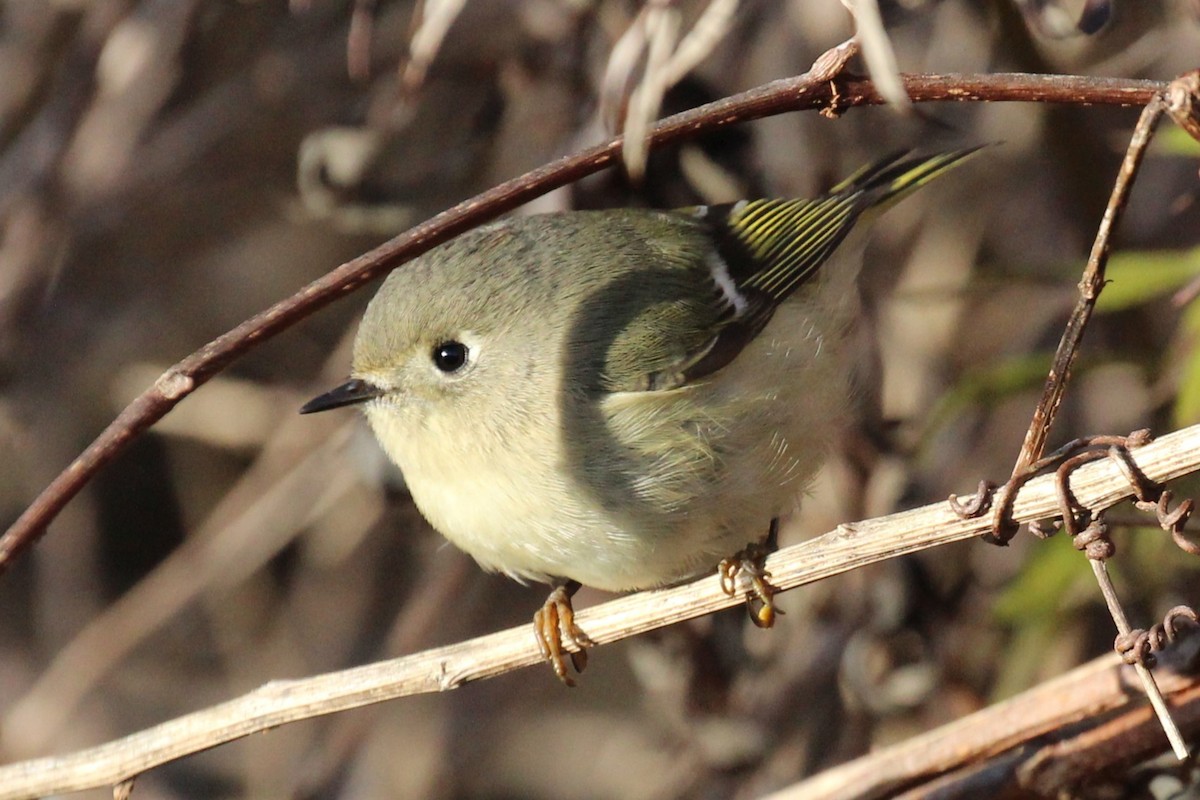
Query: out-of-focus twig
[[877, 51], [258, 518], [655, 33], [1050, 19], [434, 19], [815, 89], [358, 39], [661, 29], [1095, 486]]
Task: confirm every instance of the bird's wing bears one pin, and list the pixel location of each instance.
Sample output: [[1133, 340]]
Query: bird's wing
[[758, 253]]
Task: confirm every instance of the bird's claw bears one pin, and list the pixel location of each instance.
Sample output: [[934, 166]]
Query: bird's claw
[[760, 596], [558, 636]]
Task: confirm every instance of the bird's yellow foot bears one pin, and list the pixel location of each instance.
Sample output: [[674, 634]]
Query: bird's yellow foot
[[556, 633], [750, 562]]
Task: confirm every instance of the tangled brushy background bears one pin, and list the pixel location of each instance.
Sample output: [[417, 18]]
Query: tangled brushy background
[[169, 168]]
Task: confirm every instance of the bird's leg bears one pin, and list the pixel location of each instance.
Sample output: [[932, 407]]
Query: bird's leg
[[554, 625], [751, 562]]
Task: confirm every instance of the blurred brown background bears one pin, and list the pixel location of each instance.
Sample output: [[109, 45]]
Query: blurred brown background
[[170, 167]]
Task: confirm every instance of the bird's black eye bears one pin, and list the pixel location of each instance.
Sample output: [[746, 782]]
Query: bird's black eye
[[450, 356]]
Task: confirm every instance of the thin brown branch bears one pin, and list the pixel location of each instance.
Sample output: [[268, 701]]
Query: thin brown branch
[[811, 90], [1096, 485], [1090, 285]]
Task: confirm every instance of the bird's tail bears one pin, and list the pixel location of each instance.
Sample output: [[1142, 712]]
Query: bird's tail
[[890, 179]]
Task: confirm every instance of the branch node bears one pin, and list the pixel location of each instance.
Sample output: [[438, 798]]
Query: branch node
[[1183, 102], [124, 789], [1044, 528], [833, 61], [1139, 646], [1094, 542], [174, 384]]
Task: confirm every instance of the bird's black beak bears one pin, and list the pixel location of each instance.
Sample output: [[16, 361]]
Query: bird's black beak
[[349, 393]]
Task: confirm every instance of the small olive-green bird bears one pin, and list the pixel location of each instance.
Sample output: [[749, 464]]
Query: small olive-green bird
[[621, 399]]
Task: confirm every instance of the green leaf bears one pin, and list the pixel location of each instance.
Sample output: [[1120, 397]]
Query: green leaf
[[1176, 142], [1140, 276], [1050, 577], [989, 385], [1187, 398]]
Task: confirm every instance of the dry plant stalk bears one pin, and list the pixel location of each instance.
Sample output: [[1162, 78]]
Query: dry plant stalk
[[1097, 485]]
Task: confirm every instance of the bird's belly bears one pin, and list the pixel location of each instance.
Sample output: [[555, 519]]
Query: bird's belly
[[540, 536], [560, 531], [500, 523]]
